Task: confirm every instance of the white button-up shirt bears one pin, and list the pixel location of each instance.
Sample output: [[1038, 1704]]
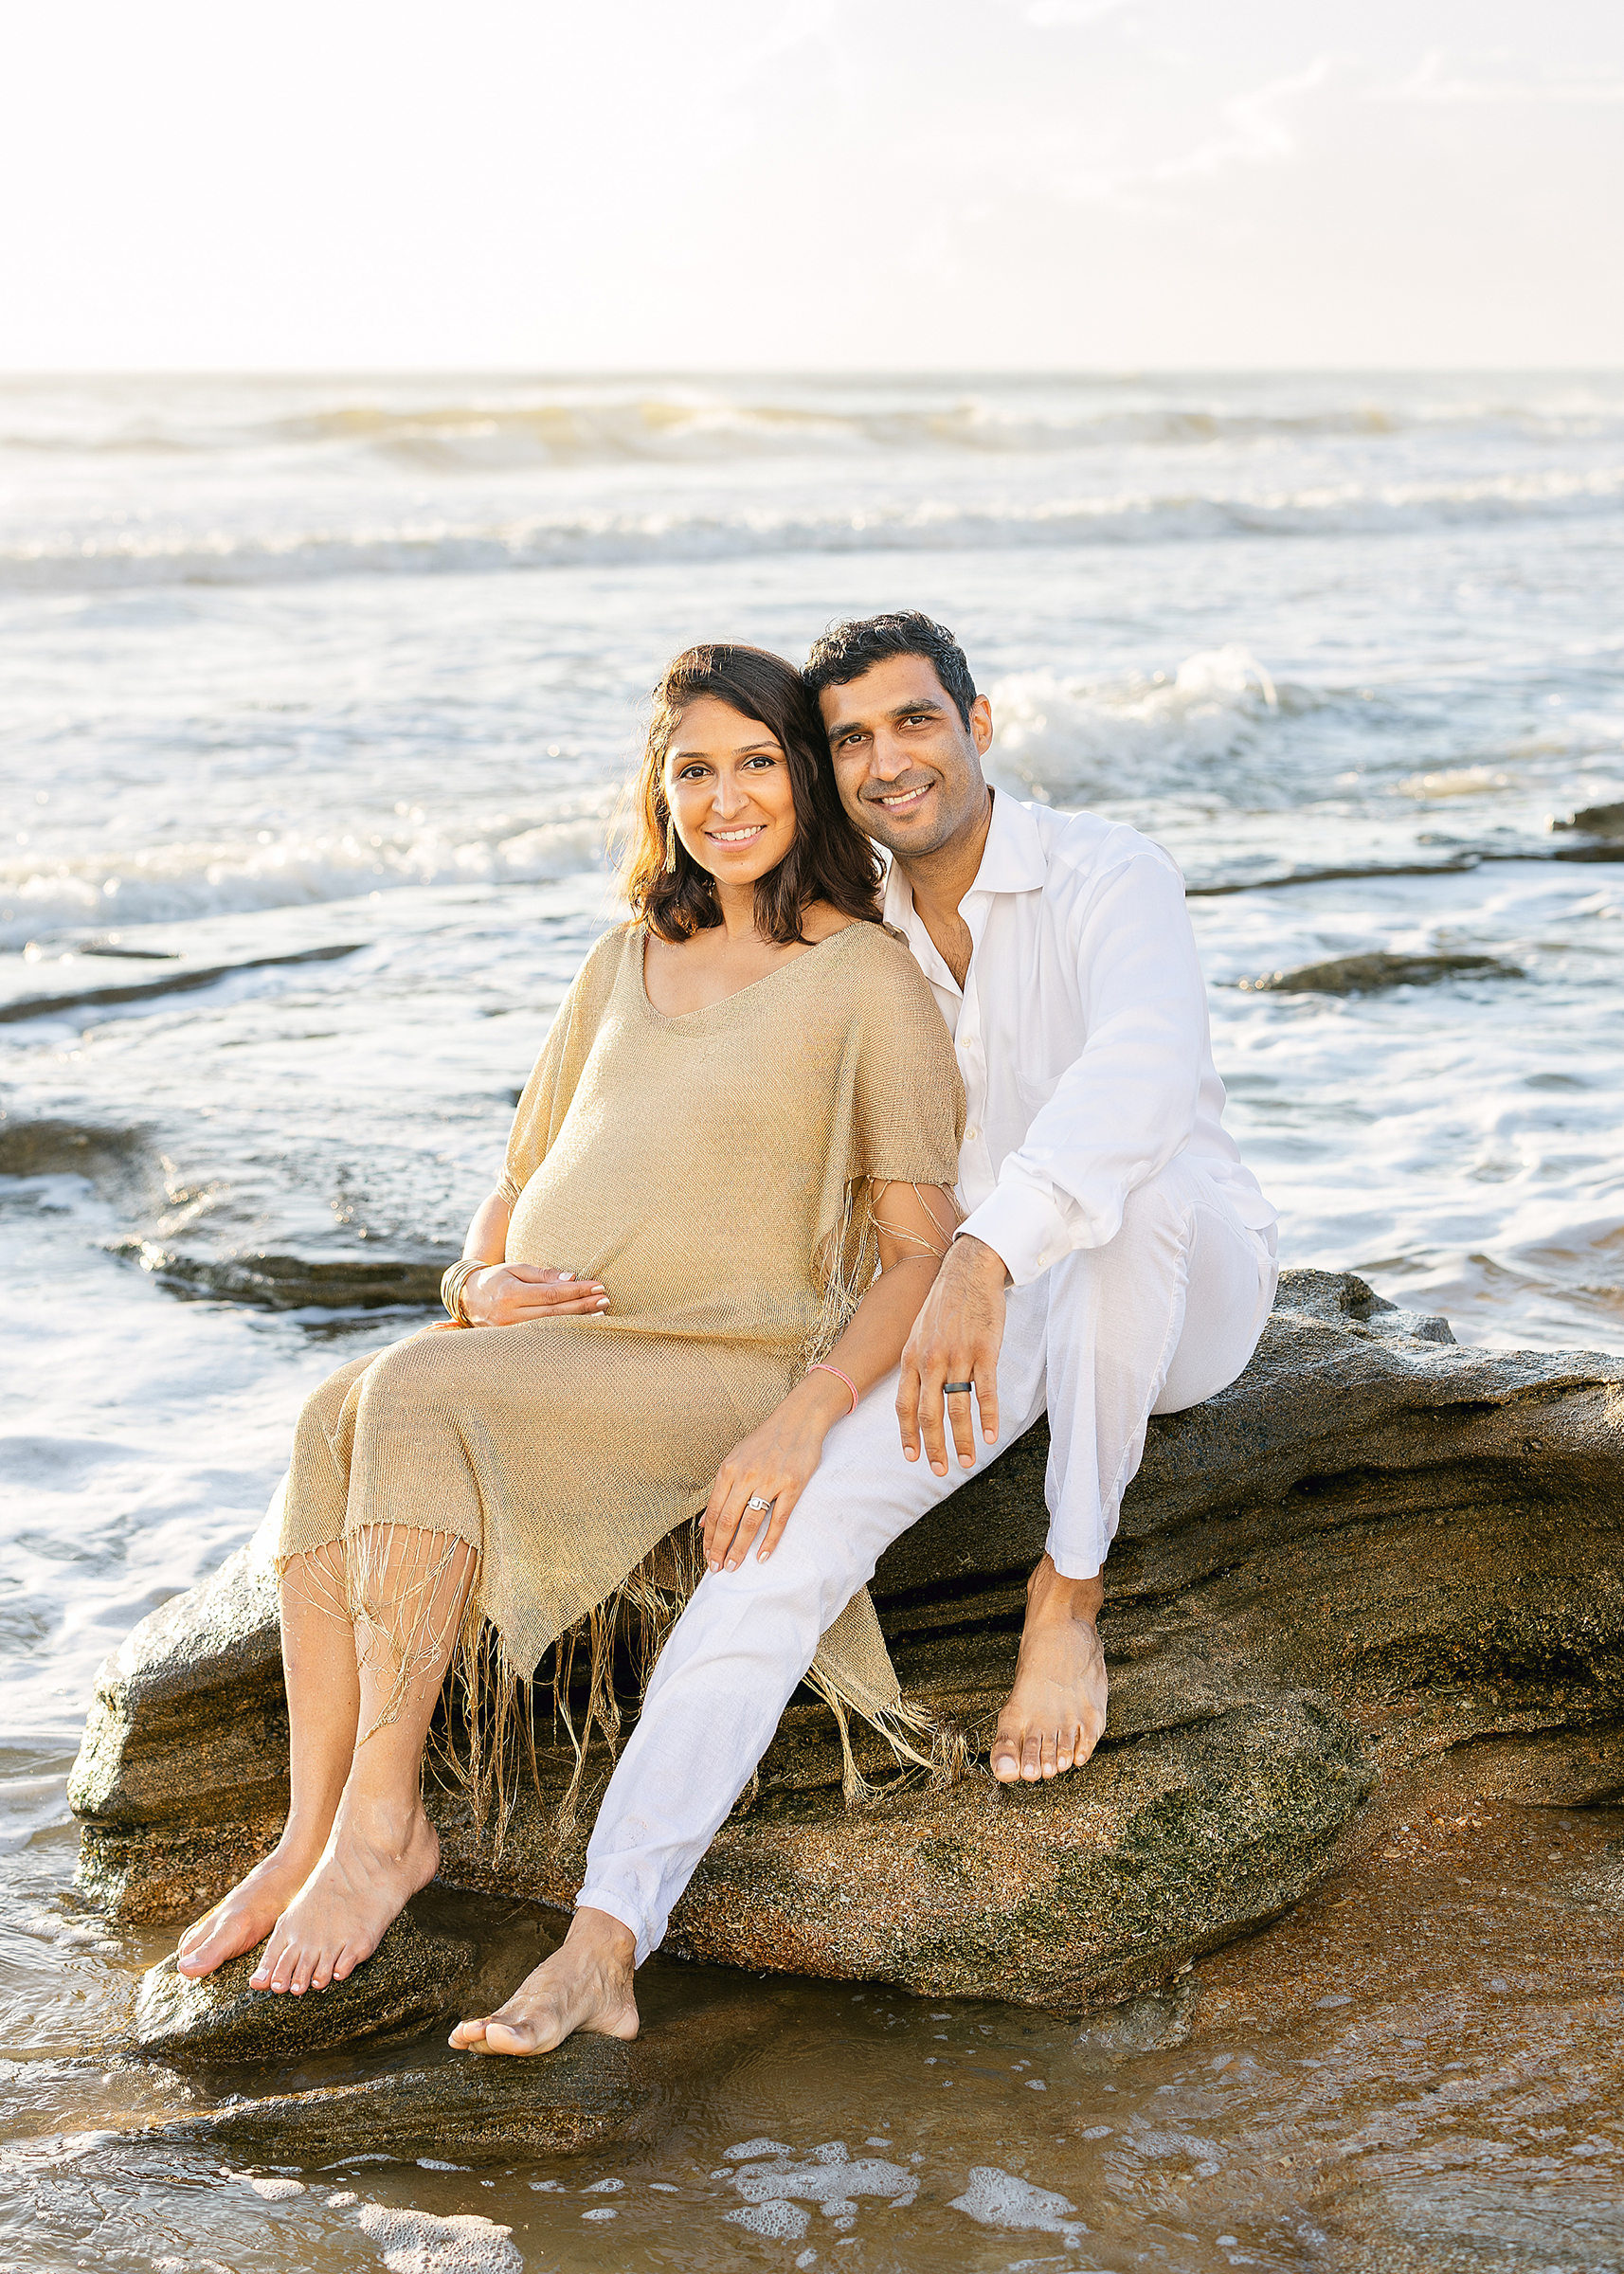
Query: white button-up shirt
[[1081, 1032]]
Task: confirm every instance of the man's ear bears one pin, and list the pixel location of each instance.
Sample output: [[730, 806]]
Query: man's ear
[[981, 725]]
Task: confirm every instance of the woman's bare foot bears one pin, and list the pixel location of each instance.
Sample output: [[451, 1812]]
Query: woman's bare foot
[[1056, 1712], [587, 1984], [376, 1858], [247, 1915]]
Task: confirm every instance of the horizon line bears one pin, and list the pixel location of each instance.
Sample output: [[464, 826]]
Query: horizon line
[[1102, 372]]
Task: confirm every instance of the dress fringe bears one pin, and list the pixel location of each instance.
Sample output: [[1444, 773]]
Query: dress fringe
[[487, 1734]]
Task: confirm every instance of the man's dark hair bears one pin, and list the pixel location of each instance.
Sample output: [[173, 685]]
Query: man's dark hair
[[847, 650]]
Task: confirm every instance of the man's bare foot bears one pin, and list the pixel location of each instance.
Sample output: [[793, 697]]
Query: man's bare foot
[[247, 1915], [587, 1984], [376, 1858], [1056, 1712]]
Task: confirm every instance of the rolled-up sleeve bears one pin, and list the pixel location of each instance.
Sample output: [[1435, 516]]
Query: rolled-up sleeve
[[1122, 1108]]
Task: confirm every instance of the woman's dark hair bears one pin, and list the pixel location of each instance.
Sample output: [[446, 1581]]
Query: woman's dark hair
[[829, 859]]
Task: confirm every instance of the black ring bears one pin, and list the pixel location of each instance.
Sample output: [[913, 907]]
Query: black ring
[[957, 1389]]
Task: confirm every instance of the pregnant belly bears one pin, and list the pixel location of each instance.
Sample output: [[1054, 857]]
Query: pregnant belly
[[685, 1273]]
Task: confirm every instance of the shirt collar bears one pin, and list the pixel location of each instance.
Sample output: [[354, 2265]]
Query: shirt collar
[[1013, 860]]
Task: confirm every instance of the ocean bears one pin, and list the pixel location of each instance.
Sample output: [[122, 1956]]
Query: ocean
[[317, 700]]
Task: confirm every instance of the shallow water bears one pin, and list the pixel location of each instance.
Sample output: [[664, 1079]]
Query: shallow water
[[294, 667], [1418, 2066]]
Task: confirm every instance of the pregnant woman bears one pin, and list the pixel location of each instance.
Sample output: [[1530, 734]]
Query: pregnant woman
[[728, 1190]]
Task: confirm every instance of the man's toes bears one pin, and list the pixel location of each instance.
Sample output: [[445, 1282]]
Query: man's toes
[[1032, 1757], [469, 2033], [515, 2037], [1046, 1756], [1005, 1760]]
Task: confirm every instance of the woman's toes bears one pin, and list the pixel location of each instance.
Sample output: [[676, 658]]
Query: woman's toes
[[1046, 1753], [1032, 1759], [469, 2033]]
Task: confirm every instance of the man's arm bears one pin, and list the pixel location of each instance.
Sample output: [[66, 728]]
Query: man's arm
[[1126, 1105], [1118, 1114]]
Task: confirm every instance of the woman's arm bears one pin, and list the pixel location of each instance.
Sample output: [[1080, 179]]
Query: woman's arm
[[914, 1224], [506, 1294]]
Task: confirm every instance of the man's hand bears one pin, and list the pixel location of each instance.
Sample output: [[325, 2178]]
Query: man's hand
[[956, 1338], [508, 1294]]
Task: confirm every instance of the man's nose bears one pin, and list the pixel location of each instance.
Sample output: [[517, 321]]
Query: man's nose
[[889, 758]]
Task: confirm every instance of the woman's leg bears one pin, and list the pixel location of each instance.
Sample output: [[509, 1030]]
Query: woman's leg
[[324, 1701], [413, 1587]]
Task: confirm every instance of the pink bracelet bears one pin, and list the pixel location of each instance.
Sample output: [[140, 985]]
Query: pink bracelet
[[821, 1368]]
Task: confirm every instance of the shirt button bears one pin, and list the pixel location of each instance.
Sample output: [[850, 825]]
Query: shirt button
[[969, 1133]]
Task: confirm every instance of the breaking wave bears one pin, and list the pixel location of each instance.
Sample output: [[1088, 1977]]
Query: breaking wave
[[606, 539], [510, 424], [173, 883]]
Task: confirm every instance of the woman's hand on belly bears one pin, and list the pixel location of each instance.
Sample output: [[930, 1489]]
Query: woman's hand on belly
[[511, 1294], [775, 1463]]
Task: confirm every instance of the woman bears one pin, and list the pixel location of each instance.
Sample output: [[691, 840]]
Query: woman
[[746, 1103]]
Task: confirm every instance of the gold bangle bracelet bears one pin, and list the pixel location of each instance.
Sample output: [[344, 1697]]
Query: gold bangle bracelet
[[452, 1284]]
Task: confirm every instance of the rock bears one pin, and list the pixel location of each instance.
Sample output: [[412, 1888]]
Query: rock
[[473, 2108], [421, 1969], [1374, 1546], [1374, 973], [1596, 821], [286, 1282], [182, 1769]]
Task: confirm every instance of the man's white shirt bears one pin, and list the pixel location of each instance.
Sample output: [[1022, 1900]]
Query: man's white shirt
[[1081, 1032]]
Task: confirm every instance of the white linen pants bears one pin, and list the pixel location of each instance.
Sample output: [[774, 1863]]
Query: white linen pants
[[1168, 1313]]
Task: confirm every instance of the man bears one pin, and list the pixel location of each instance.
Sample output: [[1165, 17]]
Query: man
[[1116, 1259]]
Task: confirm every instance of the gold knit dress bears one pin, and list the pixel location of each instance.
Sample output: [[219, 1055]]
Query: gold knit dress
[[713, 1170]]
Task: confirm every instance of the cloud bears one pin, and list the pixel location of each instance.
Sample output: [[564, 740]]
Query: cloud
[[1255, 131], [1433, 82], [1047, 13]]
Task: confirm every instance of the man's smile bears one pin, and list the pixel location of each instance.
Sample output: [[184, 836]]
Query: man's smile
[[898, 802]]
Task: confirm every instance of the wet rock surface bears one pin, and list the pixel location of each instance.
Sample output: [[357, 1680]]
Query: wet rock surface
[[1373, 974], [422, 1969], [1373, 1549], [426, 2101]]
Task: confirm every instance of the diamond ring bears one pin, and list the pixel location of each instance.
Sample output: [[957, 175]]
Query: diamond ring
[[758, 1504]]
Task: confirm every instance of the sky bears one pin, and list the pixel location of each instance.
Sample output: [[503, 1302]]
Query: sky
[[774, 184]]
